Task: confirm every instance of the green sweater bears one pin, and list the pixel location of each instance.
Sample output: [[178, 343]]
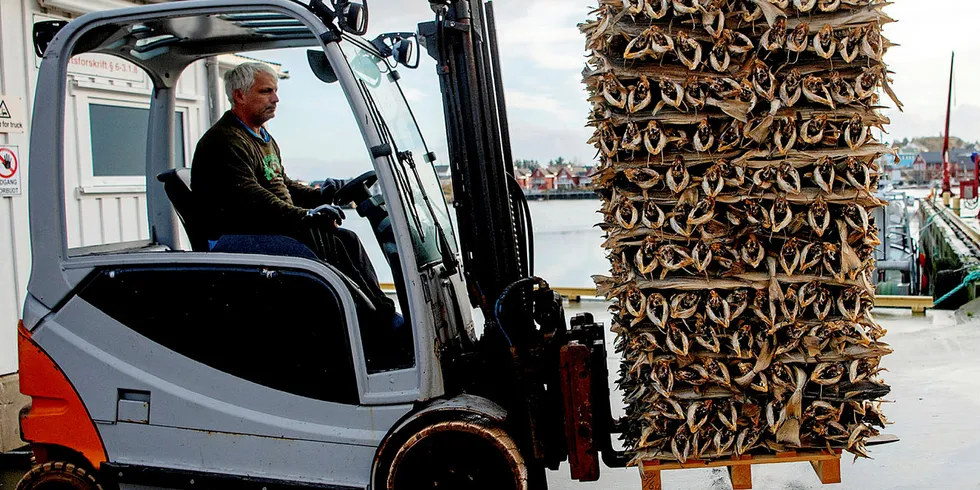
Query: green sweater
[[241, 188]]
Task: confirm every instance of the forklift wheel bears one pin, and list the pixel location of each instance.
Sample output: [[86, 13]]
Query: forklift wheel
[[58, 475], [458, 454]]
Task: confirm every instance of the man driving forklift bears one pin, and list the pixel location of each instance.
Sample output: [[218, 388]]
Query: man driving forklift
[[242, 188]]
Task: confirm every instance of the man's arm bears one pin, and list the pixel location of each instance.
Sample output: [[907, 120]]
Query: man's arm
[[308, 197]]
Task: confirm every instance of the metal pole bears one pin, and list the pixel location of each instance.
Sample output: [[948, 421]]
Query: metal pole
[[976, 180], [949, 103], [214, 88]]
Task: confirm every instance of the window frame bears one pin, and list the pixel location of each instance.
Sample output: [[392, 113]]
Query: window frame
[[83, 97]]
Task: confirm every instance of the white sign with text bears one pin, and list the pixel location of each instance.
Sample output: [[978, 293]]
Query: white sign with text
[[95, 64], [13, 116], [9, 171], [106, 66]]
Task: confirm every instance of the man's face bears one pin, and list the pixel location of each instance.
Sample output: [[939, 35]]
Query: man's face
[[259, 102]]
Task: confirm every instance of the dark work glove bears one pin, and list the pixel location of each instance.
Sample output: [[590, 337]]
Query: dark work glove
[[326, 214], [335, 183], [330, 187]]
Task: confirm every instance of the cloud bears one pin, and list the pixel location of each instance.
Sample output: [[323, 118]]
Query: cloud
[[413, 94], [538, 102], [964, 123], [545, 33], [545, 143]]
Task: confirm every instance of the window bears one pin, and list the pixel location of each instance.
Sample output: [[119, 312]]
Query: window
[[119, 140], [284, 329]]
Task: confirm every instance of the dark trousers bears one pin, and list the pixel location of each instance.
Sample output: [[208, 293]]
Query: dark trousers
[[387, 341], [343, 249]]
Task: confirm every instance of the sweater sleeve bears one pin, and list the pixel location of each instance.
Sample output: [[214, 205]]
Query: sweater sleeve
[[306, 196]]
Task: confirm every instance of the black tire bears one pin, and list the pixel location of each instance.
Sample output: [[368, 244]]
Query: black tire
[[58, 475], [458, 455]]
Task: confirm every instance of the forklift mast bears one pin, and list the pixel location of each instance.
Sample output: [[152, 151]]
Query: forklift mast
[[492, 215], [551, 377]]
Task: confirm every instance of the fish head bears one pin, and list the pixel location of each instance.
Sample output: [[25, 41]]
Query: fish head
[[801, 32], [792, 79]]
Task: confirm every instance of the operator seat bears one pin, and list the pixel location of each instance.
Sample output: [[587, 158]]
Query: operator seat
[[177, 185]]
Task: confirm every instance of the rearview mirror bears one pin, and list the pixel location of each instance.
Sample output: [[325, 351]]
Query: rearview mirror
[[44, 33], [407, 51], [352, 16], [403, 46]]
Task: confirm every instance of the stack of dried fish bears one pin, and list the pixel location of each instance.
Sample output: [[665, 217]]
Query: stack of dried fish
[[738, 169]]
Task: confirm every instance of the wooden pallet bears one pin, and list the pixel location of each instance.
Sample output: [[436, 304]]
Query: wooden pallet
[[826, 464]]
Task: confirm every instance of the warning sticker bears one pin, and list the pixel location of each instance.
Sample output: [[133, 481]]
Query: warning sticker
[[9, 171], [13, 116]]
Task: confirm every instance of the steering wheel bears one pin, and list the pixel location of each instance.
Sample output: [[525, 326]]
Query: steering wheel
[[357, 190]]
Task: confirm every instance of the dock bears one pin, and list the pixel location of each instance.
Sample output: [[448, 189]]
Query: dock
[[951, 246]]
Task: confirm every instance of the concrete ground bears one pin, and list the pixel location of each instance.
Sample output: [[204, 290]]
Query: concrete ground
[[935, 379]]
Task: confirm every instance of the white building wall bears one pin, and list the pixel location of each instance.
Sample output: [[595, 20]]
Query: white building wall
[[17, 77], [99, 209]]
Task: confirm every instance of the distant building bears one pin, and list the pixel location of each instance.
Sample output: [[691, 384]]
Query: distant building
[[558, 178], [907, 154], [523, 177], [928, 166], [542, 180], [564, 179]]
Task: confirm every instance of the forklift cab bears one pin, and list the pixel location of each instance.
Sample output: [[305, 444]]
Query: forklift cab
[[259, 362]]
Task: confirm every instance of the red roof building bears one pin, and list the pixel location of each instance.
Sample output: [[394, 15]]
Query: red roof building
[[542, 179]]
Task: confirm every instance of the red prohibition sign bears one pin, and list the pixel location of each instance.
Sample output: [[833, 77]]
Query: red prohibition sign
[[8, 163]]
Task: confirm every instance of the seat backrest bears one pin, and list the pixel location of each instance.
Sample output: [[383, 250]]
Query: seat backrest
[[177, 185]]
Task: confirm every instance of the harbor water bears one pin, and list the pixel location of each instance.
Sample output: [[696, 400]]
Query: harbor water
[[567, 245]]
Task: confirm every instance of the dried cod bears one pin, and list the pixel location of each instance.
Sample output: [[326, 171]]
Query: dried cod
[[737, 171]]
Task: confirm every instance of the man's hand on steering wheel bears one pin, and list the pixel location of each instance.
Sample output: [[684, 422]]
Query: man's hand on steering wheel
[[326, 215], [356, 190]]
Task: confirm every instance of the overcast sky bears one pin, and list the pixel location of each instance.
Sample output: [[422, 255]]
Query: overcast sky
[[543, 56]]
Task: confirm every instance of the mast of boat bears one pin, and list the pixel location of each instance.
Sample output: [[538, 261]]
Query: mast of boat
[[947, 188]]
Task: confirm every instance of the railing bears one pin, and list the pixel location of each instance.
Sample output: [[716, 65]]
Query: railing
[[918, 304]]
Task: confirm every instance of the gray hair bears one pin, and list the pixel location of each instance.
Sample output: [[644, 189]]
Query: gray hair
[[243, 76]]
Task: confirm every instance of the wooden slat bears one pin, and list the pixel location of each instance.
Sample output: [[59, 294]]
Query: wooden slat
[[827, 471], [826, 465], [650, 479], [741, 475], [746, 460], [110, 222], [918, 304]]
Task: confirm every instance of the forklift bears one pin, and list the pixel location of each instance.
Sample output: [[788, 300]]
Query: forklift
[[152, 366]]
